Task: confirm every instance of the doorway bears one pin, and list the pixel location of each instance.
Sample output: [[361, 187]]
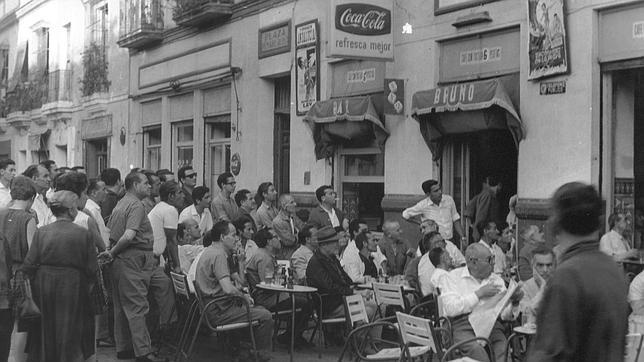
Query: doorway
[[282, 135]]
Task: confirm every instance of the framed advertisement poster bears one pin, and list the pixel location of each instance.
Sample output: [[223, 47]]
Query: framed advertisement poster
[[548, 48], [307, 69]]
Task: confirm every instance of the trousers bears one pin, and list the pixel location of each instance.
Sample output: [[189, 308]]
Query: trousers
[[462, 330], [236, 313]]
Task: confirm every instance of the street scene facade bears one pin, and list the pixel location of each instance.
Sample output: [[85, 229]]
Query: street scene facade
[[205, 142]]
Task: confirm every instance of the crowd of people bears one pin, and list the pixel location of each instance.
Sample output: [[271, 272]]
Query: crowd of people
[[98, 252]]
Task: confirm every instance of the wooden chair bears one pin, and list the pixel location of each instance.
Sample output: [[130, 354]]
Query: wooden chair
[[449, 355], [389, 294], [633, 347], [203, 309], [186, 306]]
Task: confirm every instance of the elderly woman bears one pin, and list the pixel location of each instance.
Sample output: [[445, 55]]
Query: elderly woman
[[62, 264], [17, 226]]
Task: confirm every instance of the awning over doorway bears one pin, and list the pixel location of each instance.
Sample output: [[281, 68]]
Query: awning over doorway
[[464, 108], [345, 121]]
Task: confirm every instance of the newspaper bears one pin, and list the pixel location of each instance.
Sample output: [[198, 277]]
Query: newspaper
[[486, 312]]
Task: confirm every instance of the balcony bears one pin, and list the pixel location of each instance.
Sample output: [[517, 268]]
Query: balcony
[[201, 13], [95, 79], [141, 23], [27, 96], [58, 103]]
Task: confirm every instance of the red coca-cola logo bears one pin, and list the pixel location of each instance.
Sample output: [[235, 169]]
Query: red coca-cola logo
[[363, 19]]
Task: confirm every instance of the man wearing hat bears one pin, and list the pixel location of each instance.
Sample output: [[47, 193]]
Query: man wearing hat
[[326, 274]]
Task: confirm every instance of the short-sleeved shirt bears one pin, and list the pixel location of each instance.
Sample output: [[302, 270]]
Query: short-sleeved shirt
[[265, 215], [129, 213], [211, 268], [162, 216], [224, 208], [444, 214], [204, 220]]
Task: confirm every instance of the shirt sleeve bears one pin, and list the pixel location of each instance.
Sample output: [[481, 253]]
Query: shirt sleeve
[[171, 219], [220, 267], [454, 212], [298, 264], [351, 267], [185, 215], [218, 211], [135, 217], [413, 211], [456, 255], [456, 303]]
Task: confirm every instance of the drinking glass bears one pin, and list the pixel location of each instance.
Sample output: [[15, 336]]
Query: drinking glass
[[269, 278]]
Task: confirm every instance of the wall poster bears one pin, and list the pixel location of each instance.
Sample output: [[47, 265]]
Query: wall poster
[[548, 48], [307, 68]]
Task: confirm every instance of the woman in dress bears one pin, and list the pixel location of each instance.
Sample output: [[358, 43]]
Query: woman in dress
[[62, 264], [18, 226]]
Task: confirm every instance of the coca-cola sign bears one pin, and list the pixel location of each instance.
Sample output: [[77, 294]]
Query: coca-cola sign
[[362, 19]]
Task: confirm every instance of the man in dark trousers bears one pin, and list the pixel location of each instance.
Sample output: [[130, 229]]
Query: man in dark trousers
[[484, 206], [583, 313]]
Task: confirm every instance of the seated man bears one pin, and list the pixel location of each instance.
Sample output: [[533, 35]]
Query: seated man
[[308, 245], [190, 243], [213, 280], [326, 274], [443, 262], [613, 242], [543, 265], [464, 289], [357, 261], [425, 266], [264, 263], [411, 270], [489, 237]]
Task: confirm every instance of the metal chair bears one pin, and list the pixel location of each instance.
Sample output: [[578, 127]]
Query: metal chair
[[633, 347], [203, 308], [322, 320], [186, 317], [390, 294], [456, 348]]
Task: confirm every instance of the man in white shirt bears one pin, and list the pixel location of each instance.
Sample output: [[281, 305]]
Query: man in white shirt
[[96, 195], [462, 292], [164, 218], [613, 242], [199, 210], [426, 268], [40, 176], [440, 208], [7, 172], [190, 243], [489, 236]]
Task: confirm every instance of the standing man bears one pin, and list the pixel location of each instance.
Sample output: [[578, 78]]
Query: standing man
[[113, 191], [223, 205], [155, 182], [96, 196], [484, 206], [165, 175], [40, 176], [583, 314], [613, 242], [188, 179], [489, 237], [164, 219], [245, 200], [7, 172], [286, 225], [132, 270], [265, 198], [326, 214], [395, 248], [440, 208], [199, 210]]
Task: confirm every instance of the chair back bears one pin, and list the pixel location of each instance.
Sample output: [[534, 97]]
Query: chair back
[[416, 330], [355, 309], [390, 294], [180, 284], [633, 347]]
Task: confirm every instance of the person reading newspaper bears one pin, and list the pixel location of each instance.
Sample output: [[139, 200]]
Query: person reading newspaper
[[474, 298]]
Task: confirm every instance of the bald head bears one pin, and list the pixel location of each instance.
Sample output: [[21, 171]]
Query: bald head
[[480, 261], [477, 250], [287, 203]]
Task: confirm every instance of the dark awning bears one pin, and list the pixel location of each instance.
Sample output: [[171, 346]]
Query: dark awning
[[355, 121], [464, 108]]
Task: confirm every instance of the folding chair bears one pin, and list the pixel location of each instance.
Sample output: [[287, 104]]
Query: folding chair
[[203, 308], [633, 347], [183, 299], [390, 294], [431, 309]]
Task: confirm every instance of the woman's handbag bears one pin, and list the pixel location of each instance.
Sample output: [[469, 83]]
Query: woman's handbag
[[28, 309]]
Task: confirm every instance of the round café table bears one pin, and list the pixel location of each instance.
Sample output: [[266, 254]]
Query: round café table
[[521, 332], [297, 289]]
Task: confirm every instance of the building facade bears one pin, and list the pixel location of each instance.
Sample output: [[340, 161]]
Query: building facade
[[373, 97]]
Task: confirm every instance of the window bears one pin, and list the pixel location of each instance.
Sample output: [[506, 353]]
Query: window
[[152, 141], [96, 156], [218, 146], [42, 52], [4, 68], [183, 144], [362, 184], [99, 25]]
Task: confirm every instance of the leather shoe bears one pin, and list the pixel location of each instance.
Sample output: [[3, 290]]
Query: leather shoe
[[128, 354]]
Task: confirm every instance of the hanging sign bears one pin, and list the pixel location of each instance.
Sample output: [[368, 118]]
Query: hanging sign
[[395, 95], [307, 90], [362, 29]]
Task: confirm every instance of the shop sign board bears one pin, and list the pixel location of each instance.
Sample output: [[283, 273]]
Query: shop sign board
[[621, 33], [558, 87], [307, 71], [357, 77], [548, 47], [96, 127], [445, 6], [362, 29], [395, 96], [275, 40]]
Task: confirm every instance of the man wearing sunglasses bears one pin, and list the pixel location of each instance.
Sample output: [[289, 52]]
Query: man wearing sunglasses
[[188, 178], [465, 288]]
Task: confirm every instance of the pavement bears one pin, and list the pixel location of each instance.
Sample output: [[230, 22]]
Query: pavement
[[210, 348]]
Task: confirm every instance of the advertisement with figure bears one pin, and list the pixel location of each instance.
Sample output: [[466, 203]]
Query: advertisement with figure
[[306, 66], [548, 50]]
